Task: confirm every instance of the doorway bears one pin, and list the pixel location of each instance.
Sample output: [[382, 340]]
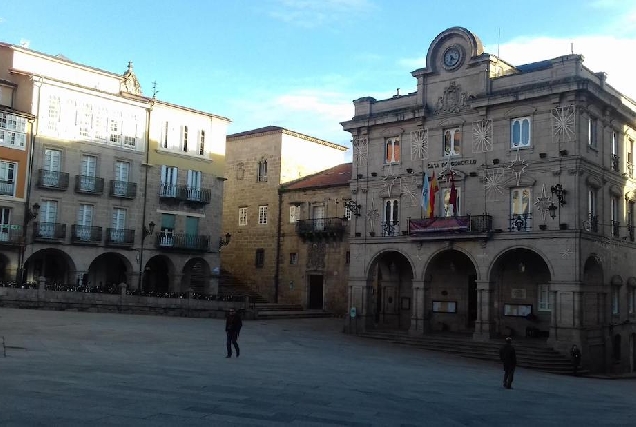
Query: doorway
[[315, 292], [472, 301]]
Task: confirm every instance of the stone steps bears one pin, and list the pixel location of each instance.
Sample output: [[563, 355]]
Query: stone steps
[[530, 354], [292, 314]]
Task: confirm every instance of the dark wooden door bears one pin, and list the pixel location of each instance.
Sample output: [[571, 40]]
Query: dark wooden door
[[316, 292]]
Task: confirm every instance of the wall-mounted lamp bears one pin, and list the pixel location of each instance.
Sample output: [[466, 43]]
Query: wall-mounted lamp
[[353, 207], [147, 231], [522, 267], [552, 208], [451, 266], [559, 192], [224, 241], [32, 213]]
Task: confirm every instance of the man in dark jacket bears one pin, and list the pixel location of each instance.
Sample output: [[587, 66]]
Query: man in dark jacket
[[508, 356], [576, 358], [233, 325]]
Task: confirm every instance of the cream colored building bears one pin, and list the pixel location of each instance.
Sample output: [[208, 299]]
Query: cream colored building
[[258, 162], [536, 237], [96, 176]]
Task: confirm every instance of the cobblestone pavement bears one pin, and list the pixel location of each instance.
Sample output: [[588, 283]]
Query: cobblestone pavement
[[69, 368]]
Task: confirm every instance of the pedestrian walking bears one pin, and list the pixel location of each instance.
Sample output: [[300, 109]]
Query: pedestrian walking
[[508, 356], [575, 353], [233, 325]]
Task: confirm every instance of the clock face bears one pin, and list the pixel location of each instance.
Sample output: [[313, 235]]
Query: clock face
[[452, 57]]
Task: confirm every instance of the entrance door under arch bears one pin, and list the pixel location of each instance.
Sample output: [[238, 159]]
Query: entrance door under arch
[[391, 277], [316, 289]]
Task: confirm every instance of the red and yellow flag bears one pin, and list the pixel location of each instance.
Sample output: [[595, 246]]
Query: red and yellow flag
[[433, 188]]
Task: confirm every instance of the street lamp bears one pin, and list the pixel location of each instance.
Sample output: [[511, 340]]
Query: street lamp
[[226, 241], [552, 208], [32, 213], [559, 192], [148, 231]]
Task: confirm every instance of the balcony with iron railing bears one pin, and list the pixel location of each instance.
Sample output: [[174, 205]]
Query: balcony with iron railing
[[390, 228], [167, 240], [85, 184], [49, 232], [122, 189], [7, 188], [454, 227], [615, 164], [194, 195], [616, 226], [520, 222], [316, 228], [86, 234], [121, 237], [168, 192], [10, 237], [52, 180]]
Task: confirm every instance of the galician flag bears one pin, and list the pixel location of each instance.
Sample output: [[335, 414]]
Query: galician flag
[[425, 191]]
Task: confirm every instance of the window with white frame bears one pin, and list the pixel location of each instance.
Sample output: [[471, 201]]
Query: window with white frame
[[392, 150], [450, 205], [260, 258], [544, 298], [168, 181], [521, 209], [616, 308], [452, 142], [193, 185], [391, 217], [5, 224], [53, 122], [614, 164], [293, 258], [201, 142], [12, 130], [184, 138], [294, 214], [262, 214], [8, 173], [242, 215], [592, 130], [520, 132]]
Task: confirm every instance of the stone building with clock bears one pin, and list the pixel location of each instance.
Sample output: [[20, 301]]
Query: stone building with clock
[[497, 199]]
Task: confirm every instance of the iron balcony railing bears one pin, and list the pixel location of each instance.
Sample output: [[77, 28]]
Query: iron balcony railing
[[168, 191], [49, 231], [521, 222], [390, 228], [614, 160], [9, 236], [122, 189], [192, 242], [52, 180], [120, 237], [468, 224], [85, 184], [7, 188], [320, 226], [86, 234], [194, 194], [615, 228], [594, 223]]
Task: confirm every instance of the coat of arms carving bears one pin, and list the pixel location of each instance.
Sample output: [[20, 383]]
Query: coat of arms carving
[[453, 100]]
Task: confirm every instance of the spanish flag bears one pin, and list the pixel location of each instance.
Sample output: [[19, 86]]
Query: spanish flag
[[433, 188]]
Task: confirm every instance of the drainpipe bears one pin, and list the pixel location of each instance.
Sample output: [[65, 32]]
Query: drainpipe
[[35, 123], [278, 244], [143, 214]]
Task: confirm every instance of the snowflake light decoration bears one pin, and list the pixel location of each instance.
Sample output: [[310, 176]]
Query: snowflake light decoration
[[566, 253], [543, 203], [563, 122], [419, 144], [482, 136], [448, 173], [518, 166], [409, 189], [360, 150], [390, 180], [493, 183], [373, 214]]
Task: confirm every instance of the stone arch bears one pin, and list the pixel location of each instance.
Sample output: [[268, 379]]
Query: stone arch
[[458, 249], [158, 275], [109, 269], [593, 271], [196, 275], [390, 275], [450, 275], [55, 265], [375, 257], [520, 277], [476, 48], [523, 247]]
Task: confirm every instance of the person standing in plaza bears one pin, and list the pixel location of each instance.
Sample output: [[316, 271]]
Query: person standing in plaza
[[575, 353], [508, 356], [233, 325]]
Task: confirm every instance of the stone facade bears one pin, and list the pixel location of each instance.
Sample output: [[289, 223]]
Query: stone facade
[[532, 229], [258, 162], [96, 175]]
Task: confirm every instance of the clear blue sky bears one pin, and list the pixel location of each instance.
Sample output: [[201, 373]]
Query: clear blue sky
[[300, 63]]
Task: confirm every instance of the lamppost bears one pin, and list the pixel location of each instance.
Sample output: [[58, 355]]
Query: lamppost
[[224, 242], [29, 215], [145, 232]]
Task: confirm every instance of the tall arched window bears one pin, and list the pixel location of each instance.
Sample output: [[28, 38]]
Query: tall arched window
[[262, 171]]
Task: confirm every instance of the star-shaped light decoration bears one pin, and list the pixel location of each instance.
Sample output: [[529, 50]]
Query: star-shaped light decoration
[[360, 150], [494, 183], [389, 180], [409, 189], [448, 173], [419, 144], [543, 203], [563, 121], [518, 166], [566, 253], [373, 214], [482, 136]]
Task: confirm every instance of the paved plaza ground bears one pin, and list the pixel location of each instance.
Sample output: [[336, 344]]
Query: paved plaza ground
[[69, 368]]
